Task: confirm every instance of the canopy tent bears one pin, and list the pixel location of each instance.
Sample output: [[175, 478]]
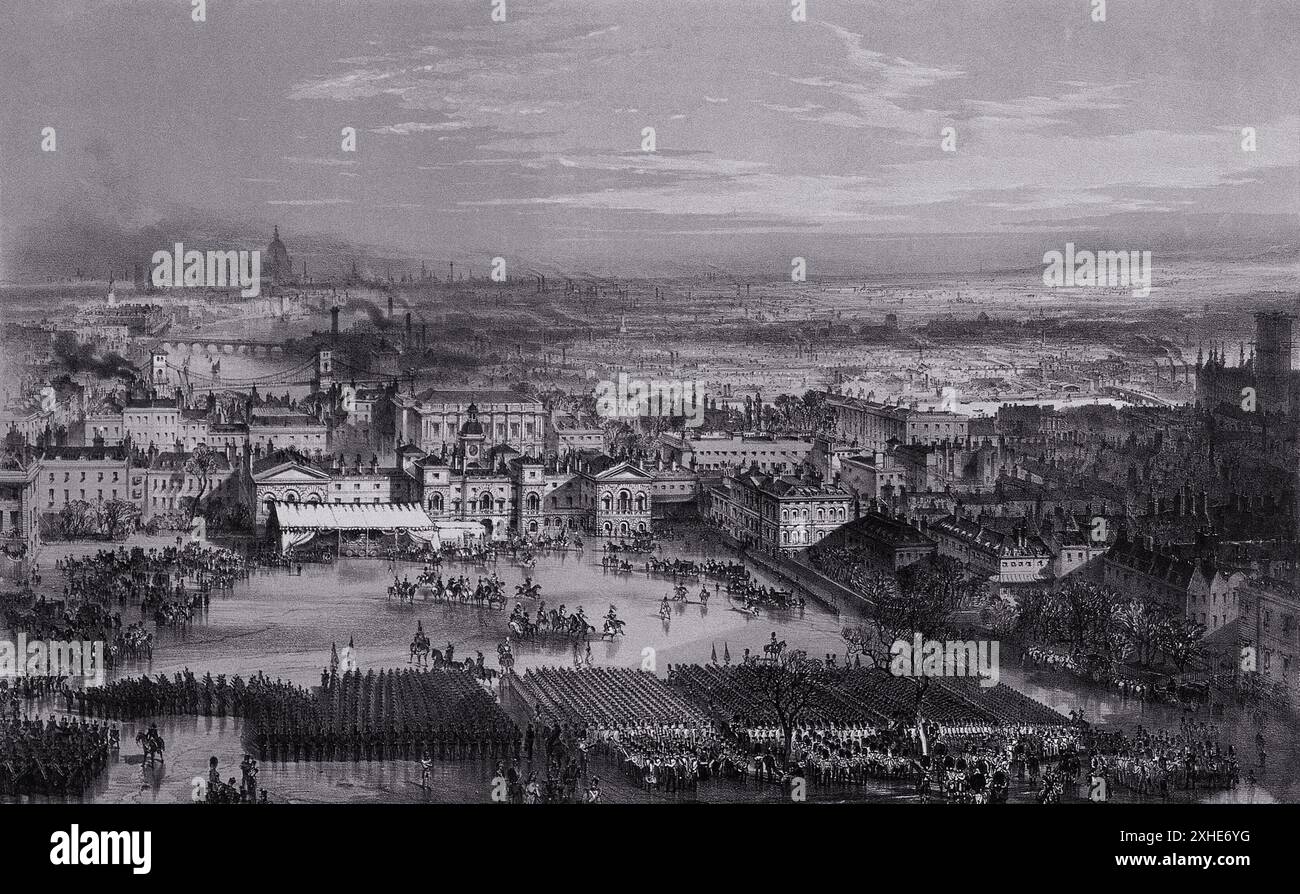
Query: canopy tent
[[458, 532], [296, 523]]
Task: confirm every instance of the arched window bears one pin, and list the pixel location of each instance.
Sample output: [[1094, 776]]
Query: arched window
[[532, 527], [624, 501], [435, 502], [640, 502], [533, 502], [606, 502], [291, 497], [486, 503]]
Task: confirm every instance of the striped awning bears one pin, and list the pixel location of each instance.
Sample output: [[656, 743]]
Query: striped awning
[[351, 516]]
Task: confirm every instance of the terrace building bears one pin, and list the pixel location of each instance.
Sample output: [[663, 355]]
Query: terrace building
[[271, 428], [170, 486], [566, 434], [87, 474], [725, 453], [886, 542], [432, 419], [777, 514], [871, 425], [1014, 556], [1269, 623], [152, 421], [1192, 586]]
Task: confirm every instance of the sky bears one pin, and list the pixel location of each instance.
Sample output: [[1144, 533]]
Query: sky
[[524, 139]]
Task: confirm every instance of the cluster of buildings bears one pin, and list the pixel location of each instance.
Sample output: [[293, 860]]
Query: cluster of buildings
[[1194, 507]]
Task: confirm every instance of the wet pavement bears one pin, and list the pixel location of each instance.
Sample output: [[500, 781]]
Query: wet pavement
[[283, 625]]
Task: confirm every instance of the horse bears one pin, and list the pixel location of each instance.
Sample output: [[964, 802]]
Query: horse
[[420, 650], [506, 659], [578, 628], [151, 744], [613, 627]]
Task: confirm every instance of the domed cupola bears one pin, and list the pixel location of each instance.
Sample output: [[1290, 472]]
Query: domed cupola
[[278, 265]]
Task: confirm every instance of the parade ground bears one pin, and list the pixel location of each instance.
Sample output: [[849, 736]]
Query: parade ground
[[284, 622]]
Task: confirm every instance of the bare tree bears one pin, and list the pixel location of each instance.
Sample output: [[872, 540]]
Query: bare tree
[[790, 686], [896, 614]]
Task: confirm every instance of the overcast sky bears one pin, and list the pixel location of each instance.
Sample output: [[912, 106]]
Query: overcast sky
[[523, 139]]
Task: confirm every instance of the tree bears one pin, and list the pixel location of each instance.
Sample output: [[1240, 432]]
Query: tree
[[789, 686], [76, 520], [118, 518], [896, 614], [1139, 626], [946, 576], [1180, 641], [1088, 611], [202, 463]]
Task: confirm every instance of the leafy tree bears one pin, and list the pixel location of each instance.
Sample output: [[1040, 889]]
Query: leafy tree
[[118, 518], [202, 463], [76, 520], [1180, 641], [1139, 625]]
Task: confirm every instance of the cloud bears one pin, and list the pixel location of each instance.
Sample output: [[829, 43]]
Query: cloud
[[326, 162], [308, 202], [410, 127]]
